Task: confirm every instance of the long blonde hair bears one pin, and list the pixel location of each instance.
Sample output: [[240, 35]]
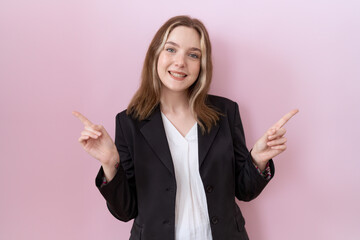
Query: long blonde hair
[[147, 97]]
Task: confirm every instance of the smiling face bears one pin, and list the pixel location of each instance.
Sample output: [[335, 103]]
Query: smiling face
[[178, 65]]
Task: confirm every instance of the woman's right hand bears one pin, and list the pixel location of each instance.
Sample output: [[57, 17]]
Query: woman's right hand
[[97, 142]]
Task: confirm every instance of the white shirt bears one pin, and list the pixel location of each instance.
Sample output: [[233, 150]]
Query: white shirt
[[191, 213]]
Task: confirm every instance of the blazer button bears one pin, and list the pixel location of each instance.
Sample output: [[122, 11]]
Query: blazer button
[[166, 222], [209, 189], [214, 220]]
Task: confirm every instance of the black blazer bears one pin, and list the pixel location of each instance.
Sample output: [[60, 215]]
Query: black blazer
[[144, 187]]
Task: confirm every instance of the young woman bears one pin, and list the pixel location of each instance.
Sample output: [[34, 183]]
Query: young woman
[[179, 158]]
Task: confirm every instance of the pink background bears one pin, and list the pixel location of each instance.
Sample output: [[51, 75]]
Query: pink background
[[270, 56]]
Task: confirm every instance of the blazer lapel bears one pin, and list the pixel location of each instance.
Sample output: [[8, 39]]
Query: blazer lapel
[[205, 140], [155, 135]]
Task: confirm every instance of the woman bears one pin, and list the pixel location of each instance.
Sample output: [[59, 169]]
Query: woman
[[182, 152]]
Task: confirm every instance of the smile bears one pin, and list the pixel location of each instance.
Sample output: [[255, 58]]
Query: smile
[[177, 75]]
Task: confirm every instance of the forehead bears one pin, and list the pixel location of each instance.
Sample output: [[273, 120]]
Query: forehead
[[185, 37]]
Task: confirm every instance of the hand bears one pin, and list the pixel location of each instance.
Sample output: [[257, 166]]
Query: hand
[[97, 142], [272, 143]]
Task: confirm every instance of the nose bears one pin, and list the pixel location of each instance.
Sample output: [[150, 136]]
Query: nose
[[179, 60]]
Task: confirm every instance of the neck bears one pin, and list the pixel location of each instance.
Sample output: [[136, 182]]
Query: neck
[[173, 102]]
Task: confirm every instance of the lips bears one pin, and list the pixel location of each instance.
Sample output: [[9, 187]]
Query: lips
[[177, 75]]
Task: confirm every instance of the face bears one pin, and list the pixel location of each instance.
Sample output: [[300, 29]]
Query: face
[[179, 62]]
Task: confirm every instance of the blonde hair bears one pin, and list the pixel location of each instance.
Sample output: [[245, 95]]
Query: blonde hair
[[147, 97]]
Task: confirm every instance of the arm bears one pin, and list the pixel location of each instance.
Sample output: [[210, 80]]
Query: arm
[[249, 183], [271, 144], [120, 191]]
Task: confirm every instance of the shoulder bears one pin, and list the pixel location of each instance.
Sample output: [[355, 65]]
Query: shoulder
[[222, 104], [122, 115], [123, 118], [128, 121], [219, 99]]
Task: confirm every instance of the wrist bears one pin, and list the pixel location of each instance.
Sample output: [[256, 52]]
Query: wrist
[[260, 164], [111, 159], [111, 167], [112, 163]]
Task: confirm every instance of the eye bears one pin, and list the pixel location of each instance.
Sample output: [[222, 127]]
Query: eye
[[170, 50], [193, 55]]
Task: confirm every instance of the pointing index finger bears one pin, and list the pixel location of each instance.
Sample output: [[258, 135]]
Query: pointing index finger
[[285, 119], [82, 118]]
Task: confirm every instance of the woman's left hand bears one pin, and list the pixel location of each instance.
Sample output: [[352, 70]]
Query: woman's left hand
[[272, 143]]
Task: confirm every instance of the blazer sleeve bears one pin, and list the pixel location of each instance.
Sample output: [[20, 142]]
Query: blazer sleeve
[[249, 182], [120, 192]]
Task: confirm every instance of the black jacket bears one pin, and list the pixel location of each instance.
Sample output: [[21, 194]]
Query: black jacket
[[144, 187]]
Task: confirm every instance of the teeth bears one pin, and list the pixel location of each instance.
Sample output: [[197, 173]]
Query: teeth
[[177, 75]]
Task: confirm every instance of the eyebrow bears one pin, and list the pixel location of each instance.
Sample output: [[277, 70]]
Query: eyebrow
[[177, 45]]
